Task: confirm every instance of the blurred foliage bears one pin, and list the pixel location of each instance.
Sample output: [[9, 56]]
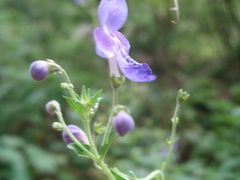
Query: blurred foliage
[[200, 54]]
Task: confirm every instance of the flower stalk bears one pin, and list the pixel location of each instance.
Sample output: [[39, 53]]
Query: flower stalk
[[114, 104], [181, 97]]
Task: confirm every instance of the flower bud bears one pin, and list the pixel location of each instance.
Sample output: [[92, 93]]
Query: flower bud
[[39, 70], [123, 123], [52, 106], [77, 132], [57, 126]]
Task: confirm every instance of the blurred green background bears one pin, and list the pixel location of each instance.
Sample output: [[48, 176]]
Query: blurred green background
[[200, 54]]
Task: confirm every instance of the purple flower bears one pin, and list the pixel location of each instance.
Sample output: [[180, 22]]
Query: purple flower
[[123, 123], [78, 133], [38, 70], [113, 45]]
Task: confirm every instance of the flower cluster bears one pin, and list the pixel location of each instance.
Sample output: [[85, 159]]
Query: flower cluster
[[114, 46]]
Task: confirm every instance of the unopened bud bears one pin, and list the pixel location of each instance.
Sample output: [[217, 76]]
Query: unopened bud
[[66, 86], [123, 123], [52, 106], [39, 70], [77, 132], [57, 126], [183, 95]]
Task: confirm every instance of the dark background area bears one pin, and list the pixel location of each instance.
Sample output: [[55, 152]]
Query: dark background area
[[200, 54]]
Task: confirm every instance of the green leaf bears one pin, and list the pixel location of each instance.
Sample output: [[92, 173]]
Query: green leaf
[[84, 94], [78, 150], [96, 97], [95, 100], [75, 105], [87, 104]]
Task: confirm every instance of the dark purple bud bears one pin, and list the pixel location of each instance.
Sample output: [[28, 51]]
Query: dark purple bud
[[77, 132], [123, 123], [38, 70]]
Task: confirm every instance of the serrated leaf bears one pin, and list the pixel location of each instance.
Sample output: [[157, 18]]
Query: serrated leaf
[[75, 105], [95, 99], [78, 150]]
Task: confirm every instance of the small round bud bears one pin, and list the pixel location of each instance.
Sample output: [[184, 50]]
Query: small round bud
[[39, 70], [123, 123], [78, 133], [52, 106], [57, 126]]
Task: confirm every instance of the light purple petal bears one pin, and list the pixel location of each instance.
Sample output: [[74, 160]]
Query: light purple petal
[[104, 44], [112, 14], [123, 40], [134, 71]]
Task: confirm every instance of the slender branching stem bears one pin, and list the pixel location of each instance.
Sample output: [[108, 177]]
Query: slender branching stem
[[181, 97], [172, 139], [67, 79]]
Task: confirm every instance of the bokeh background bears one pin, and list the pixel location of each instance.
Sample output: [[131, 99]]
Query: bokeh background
[[200, 54]]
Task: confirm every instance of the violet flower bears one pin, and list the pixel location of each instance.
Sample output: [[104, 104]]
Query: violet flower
[[113, 45], [78, 133]]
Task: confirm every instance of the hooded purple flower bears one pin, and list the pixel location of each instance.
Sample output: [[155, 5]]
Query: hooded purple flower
[[113, 45]]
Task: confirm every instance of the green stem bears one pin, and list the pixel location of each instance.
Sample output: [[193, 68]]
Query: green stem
[[172, 139], [154, 174], [90, 137], [109, 124], [67, 79], [106, 170], [61, 120]]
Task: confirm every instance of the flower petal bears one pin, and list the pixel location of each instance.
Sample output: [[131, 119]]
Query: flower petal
[[134, 71], [112, 14], [104, 44], [123, 40]]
